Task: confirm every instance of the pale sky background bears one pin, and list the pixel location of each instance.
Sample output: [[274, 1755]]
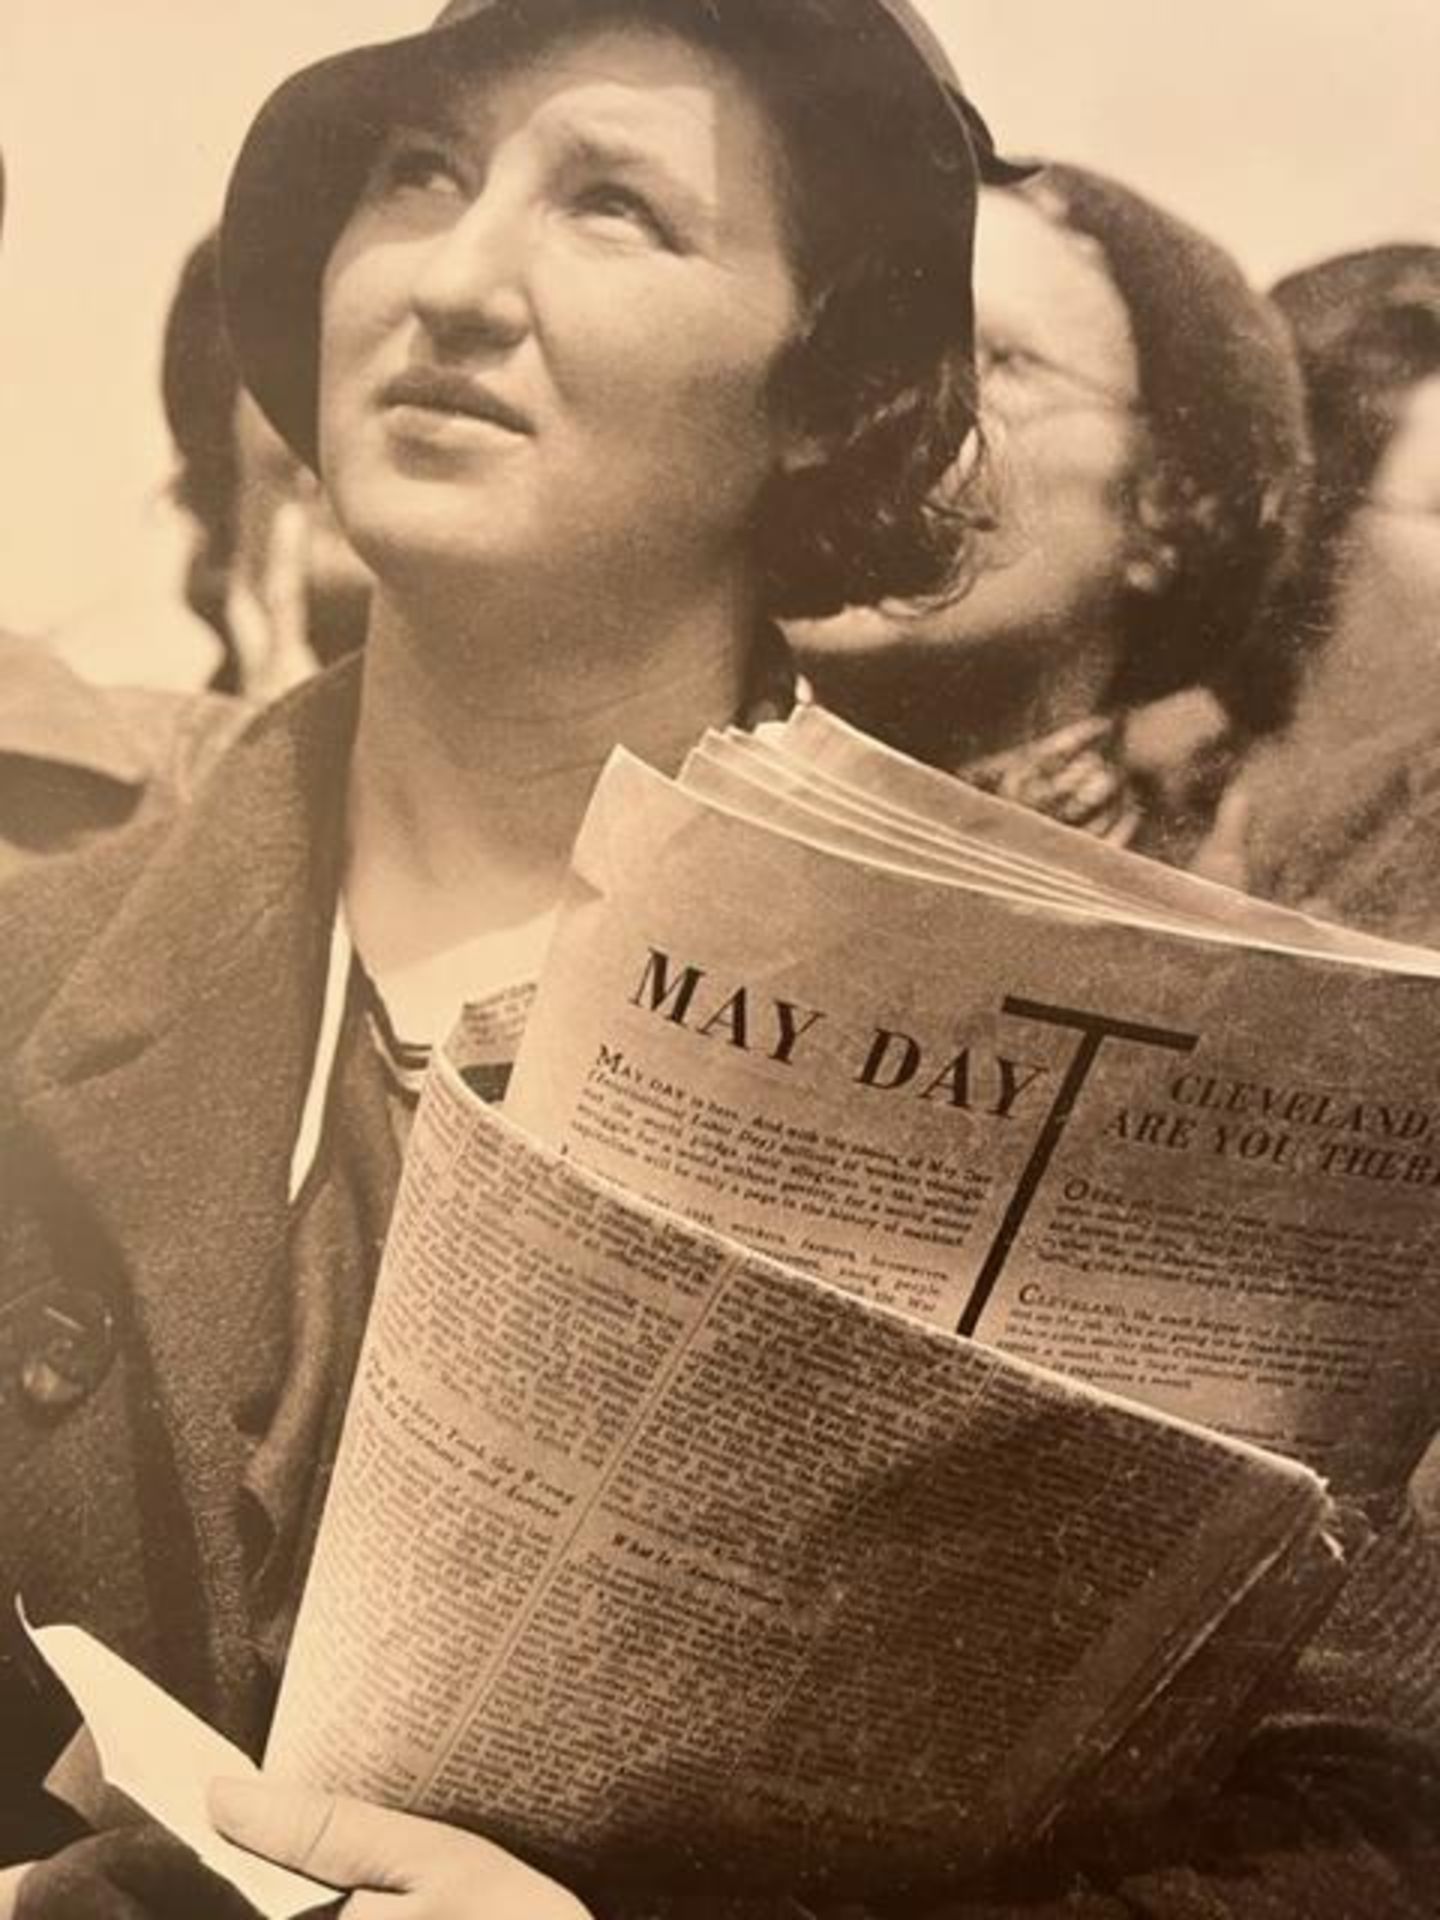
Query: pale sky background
[[1289, 129]]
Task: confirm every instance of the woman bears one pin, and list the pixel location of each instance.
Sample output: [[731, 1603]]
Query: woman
[[611, 348], [1363, 610], [1144, 421], [621, 349], [271, 591], [269, 573]]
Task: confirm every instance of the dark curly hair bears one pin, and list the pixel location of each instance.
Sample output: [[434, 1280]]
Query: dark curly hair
[[199, 388], [882, 196], [882, 228], [1221, 486]]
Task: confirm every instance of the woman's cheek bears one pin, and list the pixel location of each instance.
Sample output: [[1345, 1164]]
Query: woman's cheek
[[732, 369]]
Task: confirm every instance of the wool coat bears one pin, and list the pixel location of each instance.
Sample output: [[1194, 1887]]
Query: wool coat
[[162, 995]]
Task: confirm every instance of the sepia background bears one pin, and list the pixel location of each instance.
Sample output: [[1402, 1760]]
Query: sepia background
[[1289, 129]]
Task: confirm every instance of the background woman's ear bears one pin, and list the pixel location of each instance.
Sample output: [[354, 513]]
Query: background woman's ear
[[1152, 557], [1149, 570], [803, 452]]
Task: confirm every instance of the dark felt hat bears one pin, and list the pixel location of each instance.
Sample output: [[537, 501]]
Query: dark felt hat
[[307, 152]]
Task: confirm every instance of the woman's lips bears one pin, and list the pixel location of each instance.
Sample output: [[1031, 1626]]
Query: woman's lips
[[445, 395]]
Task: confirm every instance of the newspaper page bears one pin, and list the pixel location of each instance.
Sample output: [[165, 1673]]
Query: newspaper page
[[764, 783], [774, 765], [768, 788], [738, 771], [714, 1568], [1199, 1174], [853, 762]]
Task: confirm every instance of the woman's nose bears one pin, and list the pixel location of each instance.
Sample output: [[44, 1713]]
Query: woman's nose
[[470, 289]]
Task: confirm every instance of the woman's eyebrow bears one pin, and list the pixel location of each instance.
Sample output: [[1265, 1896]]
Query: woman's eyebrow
[[438, 118], [605, 150]]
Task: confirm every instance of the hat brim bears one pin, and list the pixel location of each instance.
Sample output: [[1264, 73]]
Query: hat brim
[[297, 176]]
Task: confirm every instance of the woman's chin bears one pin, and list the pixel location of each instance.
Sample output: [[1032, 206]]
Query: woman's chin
[[939, 632], [854, 633], [411, 551]]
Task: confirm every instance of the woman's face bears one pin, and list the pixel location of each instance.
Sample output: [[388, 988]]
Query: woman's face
[[549, 324], [1059, 396], [1382, 655], [1059, 390], [1402, 516], [270, 480]]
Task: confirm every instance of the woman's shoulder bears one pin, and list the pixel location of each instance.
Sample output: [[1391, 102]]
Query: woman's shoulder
[[179, 738], [246, 812], [79, 760], [54, 910], [1357, 837]]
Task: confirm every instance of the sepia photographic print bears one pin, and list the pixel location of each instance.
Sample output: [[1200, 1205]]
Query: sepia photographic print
[[720, 899]]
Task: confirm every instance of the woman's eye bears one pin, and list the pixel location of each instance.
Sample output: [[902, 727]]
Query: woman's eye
[[1005, 360], [417, 167], [624, 207]]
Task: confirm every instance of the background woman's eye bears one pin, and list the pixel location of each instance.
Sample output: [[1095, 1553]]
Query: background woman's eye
[[1004, 359], [625, 207]]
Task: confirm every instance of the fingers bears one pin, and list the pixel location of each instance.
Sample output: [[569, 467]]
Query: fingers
[[441, 1872], [368, 1905], [333, 1838]]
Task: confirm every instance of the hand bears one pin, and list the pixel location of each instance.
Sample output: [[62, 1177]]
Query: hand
[[268, 623], [400, 1867], [133, 1873], [284, 596]]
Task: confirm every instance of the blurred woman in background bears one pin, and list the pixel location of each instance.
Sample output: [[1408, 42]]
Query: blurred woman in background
[[1144, 426], [270, 572], [270, 589], [1341, 814]]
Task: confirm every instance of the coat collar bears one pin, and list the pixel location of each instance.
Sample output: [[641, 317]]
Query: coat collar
[[164, 1086]]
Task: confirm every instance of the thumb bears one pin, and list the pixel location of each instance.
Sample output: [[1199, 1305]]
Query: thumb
[[344, 1842]]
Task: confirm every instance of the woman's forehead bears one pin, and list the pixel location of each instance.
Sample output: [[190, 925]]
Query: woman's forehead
[[621, 73], [628, 96], [1035, 276], [1410, 466]]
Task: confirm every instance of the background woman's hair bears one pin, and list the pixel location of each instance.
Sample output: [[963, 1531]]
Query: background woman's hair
[[1221, 486], [1366, 328], [199, 387]]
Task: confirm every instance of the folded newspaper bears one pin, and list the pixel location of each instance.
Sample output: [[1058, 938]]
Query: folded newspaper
[[879, 1385]]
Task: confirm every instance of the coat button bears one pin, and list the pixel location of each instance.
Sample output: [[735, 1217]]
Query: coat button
[[64, 1348]]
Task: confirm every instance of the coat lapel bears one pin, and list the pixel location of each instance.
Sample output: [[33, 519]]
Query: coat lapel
[[165, 1084]]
